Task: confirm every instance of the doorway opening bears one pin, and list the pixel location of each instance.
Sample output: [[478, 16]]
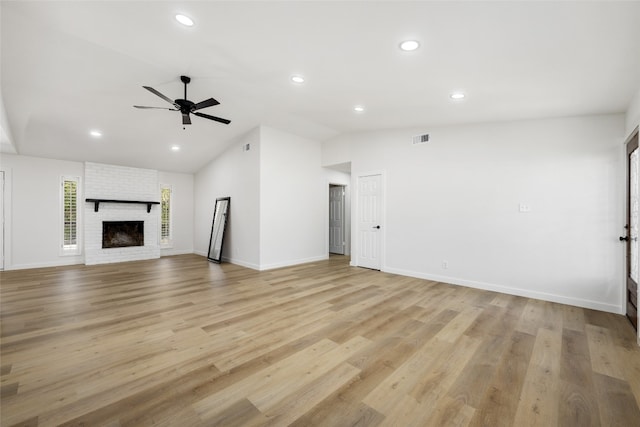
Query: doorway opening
[[337, 221], [632, 228]]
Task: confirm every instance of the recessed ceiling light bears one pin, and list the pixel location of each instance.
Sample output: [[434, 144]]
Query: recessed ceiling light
[[457, 95], [297, 79], [95, 133], [184, 20], [175, 148], [358, 108], [409, 45]]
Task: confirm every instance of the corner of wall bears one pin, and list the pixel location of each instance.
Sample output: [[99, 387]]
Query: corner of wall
[[633, 114]]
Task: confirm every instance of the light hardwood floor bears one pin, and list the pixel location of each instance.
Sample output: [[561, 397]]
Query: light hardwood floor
[[180, 341]]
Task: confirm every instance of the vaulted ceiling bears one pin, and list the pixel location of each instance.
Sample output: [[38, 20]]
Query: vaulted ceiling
[[69, 67]]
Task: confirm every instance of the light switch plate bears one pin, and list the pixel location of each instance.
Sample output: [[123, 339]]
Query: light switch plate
[[524, 208]]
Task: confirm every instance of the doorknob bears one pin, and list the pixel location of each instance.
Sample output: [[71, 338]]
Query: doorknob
[[624, 238], [376, 226]]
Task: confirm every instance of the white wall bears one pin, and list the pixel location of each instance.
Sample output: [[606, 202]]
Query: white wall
[[182, 211], [235, 173], [293, 200], [6, 139], [633, 113], [457, 199], [33, 211], [279, 202]]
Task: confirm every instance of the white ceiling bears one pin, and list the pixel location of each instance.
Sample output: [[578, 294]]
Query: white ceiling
[[69, 67]]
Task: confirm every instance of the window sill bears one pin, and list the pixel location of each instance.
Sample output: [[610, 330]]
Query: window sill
[[70, 252]]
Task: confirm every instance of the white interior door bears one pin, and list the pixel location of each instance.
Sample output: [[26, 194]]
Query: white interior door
[[336, 219], [370, 221]]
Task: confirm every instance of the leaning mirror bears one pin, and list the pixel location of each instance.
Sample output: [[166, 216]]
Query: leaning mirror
[[220, 215]]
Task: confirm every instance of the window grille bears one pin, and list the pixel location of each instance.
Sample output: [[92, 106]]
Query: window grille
[[165, 220], [70, 189]]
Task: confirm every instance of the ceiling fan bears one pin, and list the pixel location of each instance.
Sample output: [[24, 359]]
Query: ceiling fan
[[185, 106]]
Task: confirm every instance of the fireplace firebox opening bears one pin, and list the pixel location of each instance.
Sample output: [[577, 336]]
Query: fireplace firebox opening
[[122, 234]]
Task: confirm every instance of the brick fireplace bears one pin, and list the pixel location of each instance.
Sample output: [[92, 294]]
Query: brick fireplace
[[114, 183]]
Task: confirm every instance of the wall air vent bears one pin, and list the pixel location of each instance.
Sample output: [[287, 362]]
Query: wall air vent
[[420, 139]]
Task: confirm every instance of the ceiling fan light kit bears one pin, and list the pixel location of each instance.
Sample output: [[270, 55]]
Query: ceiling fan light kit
[[184, 106]]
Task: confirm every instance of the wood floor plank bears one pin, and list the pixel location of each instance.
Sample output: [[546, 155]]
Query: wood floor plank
[[286, 409], [471, 385], [450, 412], [259, 382], [603, 353], [623, 410], [538, 402], [500, 402], [578, 399], [376, 362], [180, 341]]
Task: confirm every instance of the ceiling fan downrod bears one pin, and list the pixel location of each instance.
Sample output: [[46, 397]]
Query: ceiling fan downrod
[[186, 80]]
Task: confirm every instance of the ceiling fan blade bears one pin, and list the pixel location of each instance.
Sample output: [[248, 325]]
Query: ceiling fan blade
[[155, 92], [217, 119], [155, 108], [186, 120], [204, 104]]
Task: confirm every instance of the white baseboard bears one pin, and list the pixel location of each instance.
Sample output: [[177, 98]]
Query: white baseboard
[[578, 302], [170, 252], [62, 263], [293, 262], [235, 261], [241, 263]]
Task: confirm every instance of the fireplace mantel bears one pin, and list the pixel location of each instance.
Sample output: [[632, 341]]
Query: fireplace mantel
[[96, 203]]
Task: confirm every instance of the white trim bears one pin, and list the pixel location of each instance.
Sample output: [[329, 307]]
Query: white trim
[[65, 261], [233, 261], [2, 216], [293, 262], [273, 266], [241, 263], [561, 299], [171, 252], [7, 218]]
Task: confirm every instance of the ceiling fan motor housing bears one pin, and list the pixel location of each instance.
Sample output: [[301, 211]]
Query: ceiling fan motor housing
[[186, 106]]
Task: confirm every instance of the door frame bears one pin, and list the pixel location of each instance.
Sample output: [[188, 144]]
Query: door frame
[[6, 205], [355, 219], [629, 146], [348, 221], [2, 209]]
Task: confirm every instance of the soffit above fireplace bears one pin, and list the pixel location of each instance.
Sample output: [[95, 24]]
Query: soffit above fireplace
[[96, 203]]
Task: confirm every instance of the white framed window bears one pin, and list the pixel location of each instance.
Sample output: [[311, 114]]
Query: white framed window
[[70, 227], [166, 228]]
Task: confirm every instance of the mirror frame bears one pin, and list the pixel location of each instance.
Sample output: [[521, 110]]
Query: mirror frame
[[221, 228]]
